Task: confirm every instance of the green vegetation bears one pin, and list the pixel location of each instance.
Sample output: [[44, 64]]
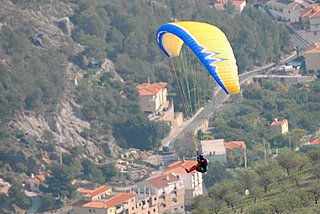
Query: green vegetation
[[250, 115], [33, 72], [30, 79], [118, 30], [16, 196], [286, 184], [195, 84], [59, 184]]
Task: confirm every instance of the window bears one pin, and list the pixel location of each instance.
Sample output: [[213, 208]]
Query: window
[[154, 210], [155, 198], [315, 33], [94, 210], [89, 210], [181, 207]]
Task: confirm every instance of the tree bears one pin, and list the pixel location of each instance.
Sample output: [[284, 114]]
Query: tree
[[202, 205], [247, 179], [18, 197], [314, 155], [47, 203], [291, 161], [5, 204], [226, 192], [92, 172], [59, 183], [261, 208], [217, 172], [268, 173], [109, 171], [138, 132]]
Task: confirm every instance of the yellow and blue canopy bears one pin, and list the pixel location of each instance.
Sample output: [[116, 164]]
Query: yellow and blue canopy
[[208, 43]]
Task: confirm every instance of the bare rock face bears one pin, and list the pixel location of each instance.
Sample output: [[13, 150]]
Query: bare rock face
[[108, 66], [65, 127]]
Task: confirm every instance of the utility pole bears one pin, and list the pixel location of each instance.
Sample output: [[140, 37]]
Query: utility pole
[[265, 151], [289, 140], [60, 155], [245, 157]]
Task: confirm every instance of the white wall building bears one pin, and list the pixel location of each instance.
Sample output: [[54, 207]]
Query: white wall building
[[193, 181], [152, 97]]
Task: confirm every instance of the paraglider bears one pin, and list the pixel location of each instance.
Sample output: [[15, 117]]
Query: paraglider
[[201, 166], [208, 43]]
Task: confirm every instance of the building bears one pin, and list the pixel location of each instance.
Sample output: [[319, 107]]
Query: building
[[214, 150], [312, 59], [193, 181], [167, 192], [147, 204], [238, 5], [153, 97], [110, 204], [4, 186], [285, 10], [238, 145], [96, 194], [280, 126], [313, 142], [35, 182], [311, 19]]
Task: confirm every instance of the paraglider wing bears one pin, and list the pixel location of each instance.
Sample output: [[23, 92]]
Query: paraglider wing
[[208, 43]]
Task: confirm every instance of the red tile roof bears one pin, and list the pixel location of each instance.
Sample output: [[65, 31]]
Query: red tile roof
[[179, 167], [315, 141], [235, 3], [96, 191], [149, 89], [315, 48], [162, 181], [112, 202], [278, 123], [119, 199], [313, 12], [235, 144]]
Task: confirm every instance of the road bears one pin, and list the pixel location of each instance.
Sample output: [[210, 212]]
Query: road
[[220, 97], [205, 113]]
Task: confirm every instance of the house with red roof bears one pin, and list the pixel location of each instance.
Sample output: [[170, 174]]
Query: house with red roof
[[167, 192], [95, 194], [312, 58], [235, 145], [238, 145], [193, 181], [153, 97], [312, 142], [311, 18], [238, 5], [281, 126], [110, 204]]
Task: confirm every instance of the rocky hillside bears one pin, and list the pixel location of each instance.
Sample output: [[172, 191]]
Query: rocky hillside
[[49, 27]]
